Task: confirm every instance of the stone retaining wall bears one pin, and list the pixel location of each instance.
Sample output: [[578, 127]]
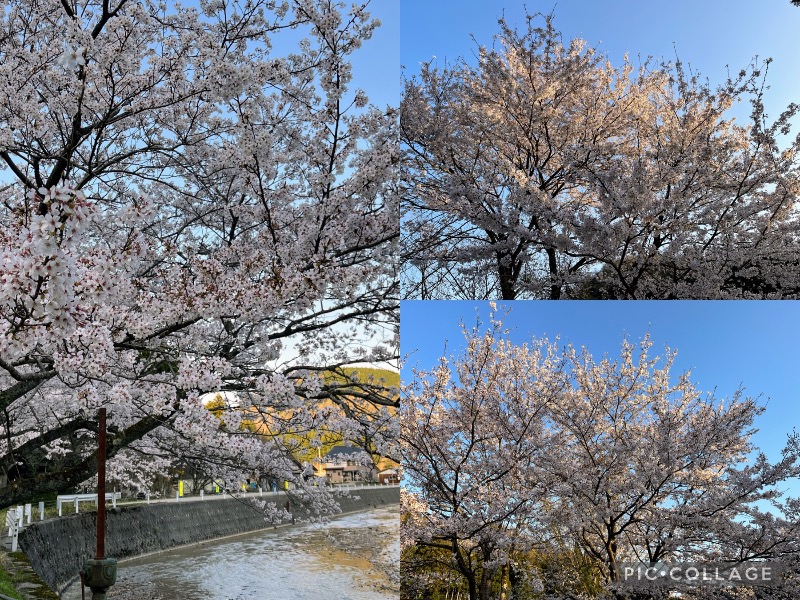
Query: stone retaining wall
[[57, 548]]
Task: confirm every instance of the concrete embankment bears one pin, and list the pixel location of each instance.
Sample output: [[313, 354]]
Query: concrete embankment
[[58, 548]]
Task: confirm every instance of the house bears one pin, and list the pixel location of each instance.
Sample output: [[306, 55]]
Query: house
[[347, 464], [389, 477]]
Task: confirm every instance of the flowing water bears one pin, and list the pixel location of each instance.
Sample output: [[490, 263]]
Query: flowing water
[[354, 557]]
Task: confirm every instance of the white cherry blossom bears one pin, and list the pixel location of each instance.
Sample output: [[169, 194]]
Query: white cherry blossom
[[184, 211]]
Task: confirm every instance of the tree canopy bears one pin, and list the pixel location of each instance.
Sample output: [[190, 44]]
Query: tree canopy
[[545, 171], [513, 451], [195, 199]]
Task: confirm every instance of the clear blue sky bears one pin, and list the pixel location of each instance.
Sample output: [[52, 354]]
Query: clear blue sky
[[726, 344], [706, 33], [376, 65]]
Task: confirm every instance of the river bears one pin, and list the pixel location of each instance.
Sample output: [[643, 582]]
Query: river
[[353, 557]]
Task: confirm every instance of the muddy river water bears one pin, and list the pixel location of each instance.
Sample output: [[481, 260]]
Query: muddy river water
[[354, 557]]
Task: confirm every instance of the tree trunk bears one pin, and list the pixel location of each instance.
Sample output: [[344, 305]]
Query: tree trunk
[[465, 568], [507, 279], [486, 584], [555, 288], [611, 554], [504, 582], [473, 589]]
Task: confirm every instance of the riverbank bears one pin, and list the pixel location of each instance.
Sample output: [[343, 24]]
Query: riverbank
[[19, 581], [57, 548]]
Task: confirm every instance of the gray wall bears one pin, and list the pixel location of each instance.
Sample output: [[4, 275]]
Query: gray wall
[[58, 548]]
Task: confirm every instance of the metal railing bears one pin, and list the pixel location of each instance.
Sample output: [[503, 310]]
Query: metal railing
[[77, 498]]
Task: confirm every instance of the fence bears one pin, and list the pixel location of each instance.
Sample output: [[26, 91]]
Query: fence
[[77, 498], [17, 517]]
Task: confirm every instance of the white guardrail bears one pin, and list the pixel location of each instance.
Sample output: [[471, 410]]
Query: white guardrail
[[16, 519], [364, 487], [77, 498], [19, 516]]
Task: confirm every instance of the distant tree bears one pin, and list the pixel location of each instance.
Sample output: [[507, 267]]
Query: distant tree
[[545, 172]]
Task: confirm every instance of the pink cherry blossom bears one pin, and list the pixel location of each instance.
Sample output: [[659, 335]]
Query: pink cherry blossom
[[186, 211]]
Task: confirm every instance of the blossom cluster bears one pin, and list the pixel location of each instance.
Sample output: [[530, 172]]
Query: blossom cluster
[[188, 212]]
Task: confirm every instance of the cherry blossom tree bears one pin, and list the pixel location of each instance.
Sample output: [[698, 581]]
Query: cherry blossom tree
[[544, 171], [195, 200], [650, 468], [509, 448], [471, 435]]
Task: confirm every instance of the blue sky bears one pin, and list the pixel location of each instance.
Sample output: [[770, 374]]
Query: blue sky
[[376, 65], [726, 345], [709, 34]]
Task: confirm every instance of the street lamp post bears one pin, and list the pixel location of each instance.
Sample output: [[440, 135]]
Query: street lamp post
[[100, 573]]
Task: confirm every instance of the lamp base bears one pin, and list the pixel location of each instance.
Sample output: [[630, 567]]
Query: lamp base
[[99, 574]]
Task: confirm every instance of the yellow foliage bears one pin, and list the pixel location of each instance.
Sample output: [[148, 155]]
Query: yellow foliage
[[311, 445]]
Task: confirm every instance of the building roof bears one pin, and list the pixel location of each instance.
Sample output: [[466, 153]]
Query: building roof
[[344, 450]]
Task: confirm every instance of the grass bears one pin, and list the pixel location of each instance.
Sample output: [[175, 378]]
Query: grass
[[7, 585], [7, 579], [22, 572]]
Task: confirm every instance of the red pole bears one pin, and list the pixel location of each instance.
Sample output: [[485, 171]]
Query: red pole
[[101, 486]]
